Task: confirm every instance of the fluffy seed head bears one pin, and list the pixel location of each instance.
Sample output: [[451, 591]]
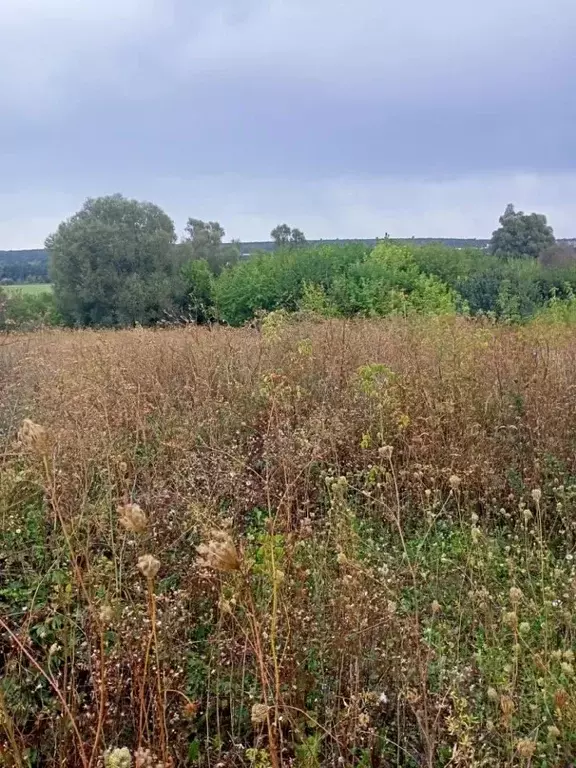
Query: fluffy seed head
[[526, 747], [33, 437], [132, 518], [148, 566], [492, 694], [219, 553], [259, 713], [515, 595], [454, 482]]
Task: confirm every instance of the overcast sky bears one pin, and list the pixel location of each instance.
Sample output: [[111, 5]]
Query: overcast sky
[[346, 119]]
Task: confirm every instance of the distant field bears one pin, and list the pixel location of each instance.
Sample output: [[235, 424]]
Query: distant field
[[30, 287]]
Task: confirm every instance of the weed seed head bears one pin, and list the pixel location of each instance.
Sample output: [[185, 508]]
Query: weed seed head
[[33, 437], [515, 595], [148, 566], [492, 694], [259, 713], [526, 747], [132, 518], [219, 553], [454, 482]]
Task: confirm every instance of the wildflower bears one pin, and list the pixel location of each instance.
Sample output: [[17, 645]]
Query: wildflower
[[515, 595], [553, 732], [259, 713], [383, 699], [526, 747], [33, 437], [492, 694], [524, 628], [148, 566], [132, 518], [118, 758], [385, 451], [537, 495], [219, 554], [454, 482]]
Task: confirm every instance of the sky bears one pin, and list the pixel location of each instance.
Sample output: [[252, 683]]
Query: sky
[[345, 119]]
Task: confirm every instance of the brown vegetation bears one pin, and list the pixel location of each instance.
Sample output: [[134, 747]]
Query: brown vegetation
[[337, 542]]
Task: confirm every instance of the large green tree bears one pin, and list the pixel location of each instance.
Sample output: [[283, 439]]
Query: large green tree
[[521, 234], [114, 263], [204, 242]]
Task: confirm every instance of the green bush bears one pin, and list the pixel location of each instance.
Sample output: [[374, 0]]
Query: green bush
[[331, 280], [20, 310]]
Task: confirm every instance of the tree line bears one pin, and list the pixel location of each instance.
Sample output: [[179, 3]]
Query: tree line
[[118, 262]]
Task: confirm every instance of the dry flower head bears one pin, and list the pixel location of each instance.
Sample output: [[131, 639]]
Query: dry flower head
[[526, 747], [259, 713], [148, 566], [219, 553], [132, 518], [33, 437]]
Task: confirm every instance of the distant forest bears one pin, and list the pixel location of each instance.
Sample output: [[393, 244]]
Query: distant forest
[[31, 266]]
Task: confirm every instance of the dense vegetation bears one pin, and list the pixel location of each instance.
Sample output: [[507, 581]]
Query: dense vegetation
[[347, 542], [23, 266], [119, 263]]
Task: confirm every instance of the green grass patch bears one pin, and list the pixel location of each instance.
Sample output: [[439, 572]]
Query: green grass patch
[[29, 288]]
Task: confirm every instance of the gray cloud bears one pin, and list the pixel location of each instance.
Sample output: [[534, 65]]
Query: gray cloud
[[313, 95]]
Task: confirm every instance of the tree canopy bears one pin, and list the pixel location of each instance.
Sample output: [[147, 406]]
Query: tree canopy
[[204, 240], [114, 263], [284, 236], [521, 234]]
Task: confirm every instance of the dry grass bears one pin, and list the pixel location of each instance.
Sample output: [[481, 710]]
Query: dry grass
[[385, 518]]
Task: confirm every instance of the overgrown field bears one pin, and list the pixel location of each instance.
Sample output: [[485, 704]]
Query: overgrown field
[[346, 543]]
